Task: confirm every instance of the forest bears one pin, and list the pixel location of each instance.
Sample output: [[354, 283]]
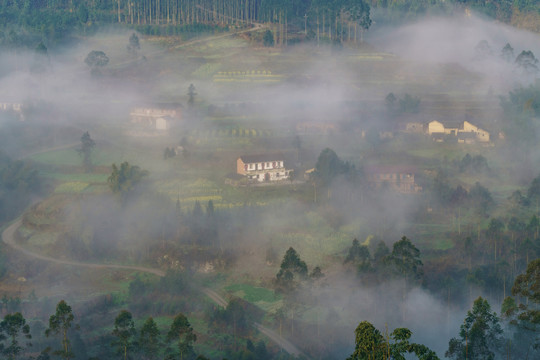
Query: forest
[[130, 231], [25, 21]]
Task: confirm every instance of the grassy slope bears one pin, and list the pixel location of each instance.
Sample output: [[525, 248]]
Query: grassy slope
[[202, 61]]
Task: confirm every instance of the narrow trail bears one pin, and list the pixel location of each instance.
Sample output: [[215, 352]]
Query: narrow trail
[[8, 236], [256, 27], [59, 147]]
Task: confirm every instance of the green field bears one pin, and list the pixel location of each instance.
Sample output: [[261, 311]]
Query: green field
[[264, 298]]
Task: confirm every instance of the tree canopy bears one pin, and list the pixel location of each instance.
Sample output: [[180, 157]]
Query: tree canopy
[[87, 146], [149, 341], [522, 313], [329, 166], [181, 334], [527, 62], [133, 44], [370, 344], [56, 20], [291, 266], [357, 253], [123, 180], [96, 59], [60, 323], [124, 331], [480, 335], [527, 286], [14, 329], [405, 259]]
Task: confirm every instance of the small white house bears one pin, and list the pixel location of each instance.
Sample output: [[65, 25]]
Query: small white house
[[159, 117], [262, 167]]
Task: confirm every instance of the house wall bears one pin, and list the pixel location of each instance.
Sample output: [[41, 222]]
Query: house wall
[[262, 171], [468, 127], [269, 175], [150, 116], [162, 124], [11, 106], [435, 127], [154, 112], [482, 135], [240, 167]]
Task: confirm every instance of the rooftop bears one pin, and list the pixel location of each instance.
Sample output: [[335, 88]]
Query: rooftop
[[248, 159]]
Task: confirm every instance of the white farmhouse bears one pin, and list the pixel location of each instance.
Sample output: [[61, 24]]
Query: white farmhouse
[[262, 167]]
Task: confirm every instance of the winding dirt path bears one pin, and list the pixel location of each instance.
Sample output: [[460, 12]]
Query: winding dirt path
[[271, 334], [8, 236]]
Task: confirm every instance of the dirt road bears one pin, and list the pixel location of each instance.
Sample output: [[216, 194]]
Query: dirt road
[[272, 335], [8, 236]]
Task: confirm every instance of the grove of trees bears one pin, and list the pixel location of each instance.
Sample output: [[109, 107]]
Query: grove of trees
[[337, 20]]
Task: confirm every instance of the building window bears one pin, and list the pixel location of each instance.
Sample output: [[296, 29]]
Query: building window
[[245, 167], [274, 164]]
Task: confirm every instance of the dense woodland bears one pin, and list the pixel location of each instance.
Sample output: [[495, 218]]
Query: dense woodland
[[31, 21], [483, 334]]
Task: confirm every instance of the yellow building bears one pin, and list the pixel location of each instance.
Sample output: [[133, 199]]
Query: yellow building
[[465, 128]]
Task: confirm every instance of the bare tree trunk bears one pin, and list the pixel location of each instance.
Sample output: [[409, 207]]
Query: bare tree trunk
[[335, 29], [514, 257], [292, 320], [281, 28], [286, 31], [323, 24], [459, 220], [318, 32]]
